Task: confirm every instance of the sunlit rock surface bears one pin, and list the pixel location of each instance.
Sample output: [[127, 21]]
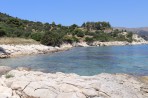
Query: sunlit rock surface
[[17, 50], [31, 84]]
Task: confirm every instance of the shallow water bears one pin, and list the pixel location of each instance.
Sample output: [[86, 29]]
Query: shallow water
[[88, 61]]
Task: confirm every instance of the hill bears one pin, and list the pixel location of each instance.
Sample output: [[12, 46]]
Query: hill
[[56, 34], [142, 31]]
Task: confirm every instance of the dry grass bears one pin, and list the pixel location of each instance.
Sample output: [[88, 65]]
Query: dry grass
[[8, 40]]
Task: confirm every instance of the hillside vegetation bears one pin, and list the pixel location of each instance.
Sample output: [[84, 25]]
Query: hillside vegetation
[[56, 34], [142, 31]]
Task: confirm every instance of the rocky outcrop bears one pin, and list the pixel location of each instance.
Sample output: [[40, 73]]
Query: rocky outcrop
[[80, 44], [17, 50], [137, 38], [114, 43], [117, 43], [30, 84]]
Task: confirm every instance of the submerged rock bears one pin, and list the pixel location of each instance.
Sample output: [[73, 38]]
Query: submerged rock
[[31, 84]]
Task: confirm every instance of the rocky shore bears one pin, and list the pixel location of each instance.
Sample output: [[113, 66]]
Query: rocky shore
[[116, 43], [31, 84], [18, 50]]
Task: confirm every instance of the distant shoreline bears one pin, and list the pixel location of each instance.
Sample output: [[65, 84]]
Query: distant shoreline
[[20, 50]]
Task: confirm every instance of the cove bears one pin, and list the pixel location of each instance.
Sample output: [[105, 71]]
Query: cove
[[88, 60]]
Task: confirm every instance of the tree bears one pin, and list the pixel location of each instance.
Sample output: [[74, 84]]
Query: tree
[[17, 33], [53, 24], [129, 36], [97, 26], [14, 22], [2, 33], [73, 27], [89, 40], [106, 25], [36, 36], [78, 32], [83, 25], [52, 39], [59, 25]]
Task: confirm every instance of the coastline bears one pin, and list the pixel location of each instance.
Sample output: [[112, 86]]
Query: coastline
[[20, 50], [23, 83], [35, 84]]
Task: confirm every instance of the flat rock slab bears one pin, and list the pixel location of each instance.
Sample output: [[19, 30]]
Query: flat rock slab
[[31, 84]]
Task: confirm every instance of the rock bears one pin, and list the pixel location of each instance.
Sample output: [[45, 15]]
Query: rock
[[5, 92], [17, 50], [70, 95], [4, 69], [81, 44], [90, 92], [39, 92], [31, 84], [66, 46], [145, 89], [114, 43], [23, 69], [3, 55], [18, 85], [137, 38]]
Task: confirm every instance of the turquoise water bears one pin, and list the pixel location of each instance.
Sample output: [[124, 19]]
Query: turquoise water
[[88, 61]]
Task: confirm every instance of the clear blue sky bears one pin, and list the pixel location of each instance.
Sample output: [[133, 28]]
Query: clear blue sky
[[123, 13]]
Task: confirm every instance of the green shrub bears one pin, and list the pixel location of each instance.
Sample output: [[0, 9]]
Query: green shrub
[[26, 34], [17, 33], [102, 37], [75, 39], [129, 36], [9, 76], [52, 39], [121, 38], [79, 33], [88, 39], [68, 39], [2, 33], [36, 36]]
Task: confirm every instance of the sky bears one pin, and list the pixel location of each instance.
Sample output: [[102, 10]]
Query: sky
[[120, 13]]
